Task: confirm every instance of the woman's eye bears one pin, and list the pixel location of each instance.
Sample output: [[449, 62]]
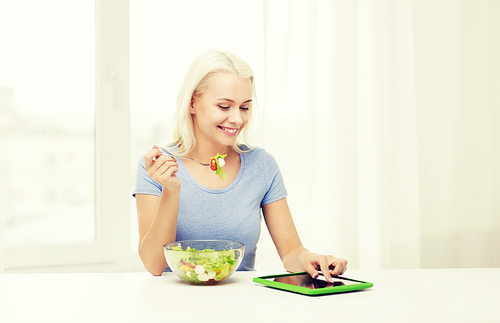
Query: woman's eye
[[223, 107], [244, 108]]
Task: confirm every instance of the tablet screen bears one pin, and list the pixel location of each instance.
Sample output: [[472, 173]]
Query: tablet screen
[[305, 280]]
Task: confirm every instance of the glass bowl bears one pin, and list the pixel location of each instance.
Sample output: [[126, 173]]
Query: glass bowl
[[204, 261]]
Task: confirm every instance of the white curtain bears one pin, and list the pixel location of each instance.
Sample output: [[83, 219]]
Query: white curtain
[[383, 116]]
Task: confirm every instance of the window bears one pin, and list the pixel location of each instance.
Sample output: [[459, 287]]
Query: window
[[63, 99], [47, 112]]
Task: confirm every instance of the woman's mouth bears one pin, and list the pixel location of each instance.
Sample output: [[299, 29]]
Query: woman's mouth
[[229, 131]]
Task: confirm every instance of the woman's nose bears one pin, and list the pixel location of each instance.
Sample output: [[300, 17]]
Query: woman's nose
[[235, 117]]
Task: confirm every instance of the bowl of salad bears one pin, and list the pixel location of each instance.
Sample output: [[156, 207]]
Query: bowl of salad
[[204, 261]]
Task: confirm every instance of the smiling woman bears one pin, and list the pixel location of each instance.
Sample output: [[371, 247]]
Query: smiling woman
[[178, 202], [157, 70]]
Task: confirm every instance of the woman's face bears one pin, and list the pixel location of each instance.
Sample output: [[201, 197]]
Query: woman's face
[[221, 112]]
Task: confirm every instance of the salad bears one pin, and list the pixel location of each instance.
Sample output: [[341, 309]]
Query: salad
[[216, 164], [203, 266]]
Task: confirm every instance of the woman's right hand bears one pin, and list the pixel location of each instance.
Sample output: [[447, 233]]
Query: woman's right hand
[[162, 168]]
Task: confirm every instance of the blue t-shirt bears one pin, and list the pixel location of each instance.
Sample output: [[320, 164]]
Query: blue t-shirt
[[232, 213]]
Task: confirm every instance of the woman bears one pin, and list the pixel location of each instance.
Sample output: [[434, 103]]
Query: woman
[[177, 199]]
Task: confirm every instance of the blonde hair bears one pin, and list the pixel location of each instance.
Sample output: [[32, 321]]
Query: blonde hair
[[195, 83]]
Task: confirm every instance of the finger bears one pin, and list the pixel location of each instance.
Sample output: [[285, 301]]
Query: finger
[[164, 175], [325, 268], [167, 160], [311, 270], [151, 155], [345, 267], [164, 164], [160, 167], [343, 263], [340, 266], [154, 167], [171, 172], [157, 153], [167, 173], [167, 167]]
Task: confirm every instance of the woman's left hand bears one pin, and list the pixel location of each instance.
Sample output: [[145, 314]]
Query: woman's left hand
[[329, 265]]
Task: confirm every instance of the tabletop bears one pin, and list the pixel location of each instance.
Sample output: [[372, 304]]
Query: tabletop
[[399, 295]]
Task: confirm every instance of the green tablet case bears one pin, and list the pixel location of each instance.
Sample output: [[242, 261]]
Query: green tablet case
[[353, 285]]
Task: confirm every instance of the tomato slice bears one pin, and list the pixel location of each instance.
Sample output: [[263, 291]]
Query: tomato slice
[[213, 164], [190, 265]]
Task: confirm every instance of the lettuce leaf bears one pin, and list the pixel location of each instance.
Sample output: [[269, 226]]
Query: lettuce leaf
[[219, 170]]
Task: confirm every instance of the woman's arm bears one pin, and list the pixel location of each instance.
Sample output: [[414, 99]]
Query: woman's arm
[[294, 255], [157, 227], [158, 215]]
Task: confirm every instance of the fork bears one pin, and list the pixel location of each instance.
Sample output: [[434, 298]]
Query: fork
[[202, 164]]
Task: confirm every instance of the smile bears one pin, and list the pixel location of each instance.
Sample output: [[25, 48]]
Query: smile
[[228, 130]]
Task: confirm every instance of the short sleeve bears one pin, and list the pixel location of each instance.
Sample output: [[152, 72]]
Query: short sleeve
[[275, 186], [143, 183]]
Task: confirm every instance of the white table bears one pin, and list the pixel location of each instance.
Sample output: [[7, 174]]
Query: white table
[[441, 295]]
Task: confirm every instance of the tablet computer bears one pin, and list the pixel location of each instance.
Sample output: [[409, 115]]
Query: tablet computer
[[303, 283]]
